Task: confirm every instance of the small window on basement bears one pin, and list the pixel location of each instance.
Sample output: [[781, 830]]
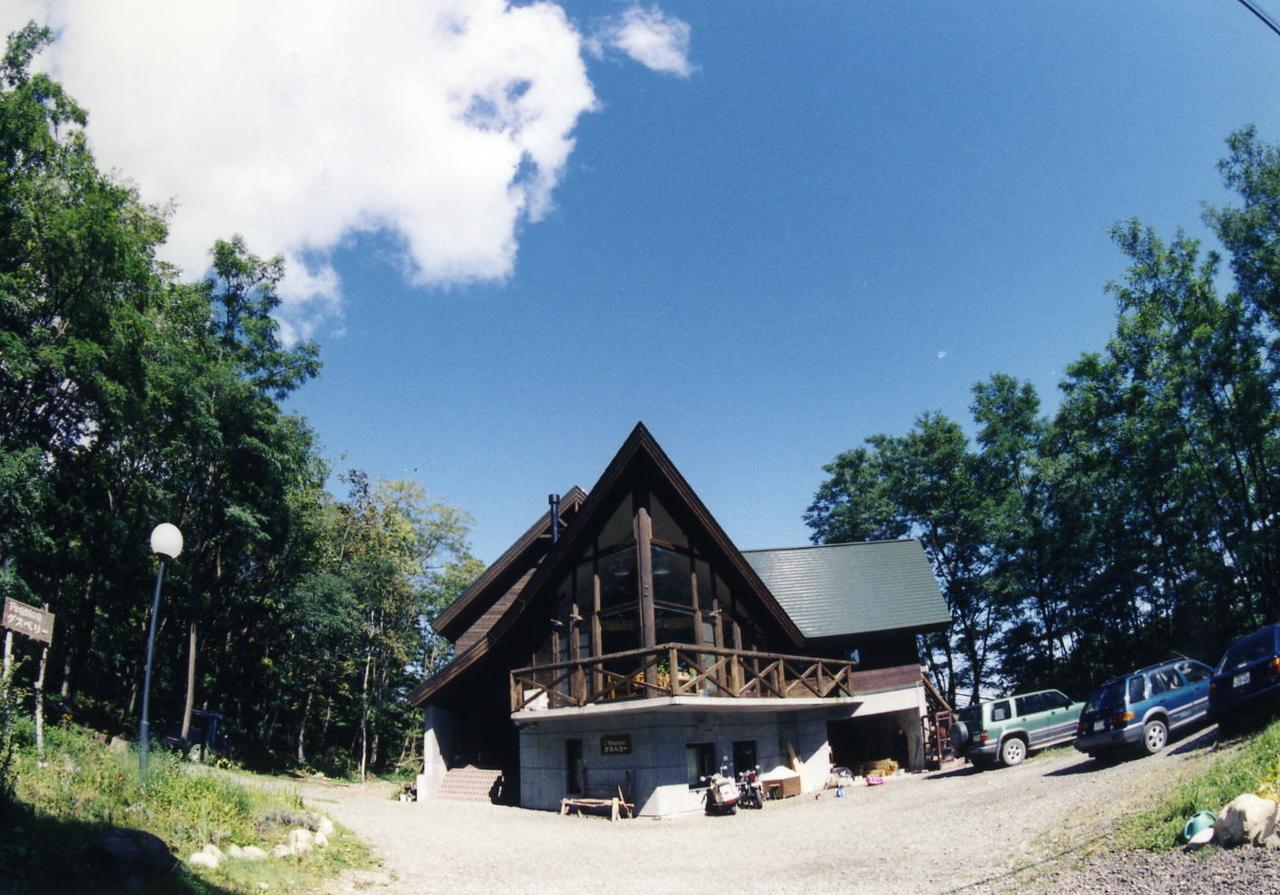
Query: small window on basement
[[744, 756], [700, 759]]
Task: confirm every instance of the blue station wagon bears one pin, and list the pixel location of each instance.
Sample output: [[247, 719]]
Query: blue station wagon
[[1247, 678], [1141, 708]]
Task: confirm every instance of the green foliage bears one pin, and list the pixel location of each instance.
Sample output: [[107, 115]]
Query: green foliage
[[1254, 768], [1143, 517], [82, 787], [129, 397]]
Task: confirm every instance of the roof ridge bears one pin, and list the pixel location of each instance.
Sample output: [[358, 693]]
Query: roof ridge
[[839, 544]]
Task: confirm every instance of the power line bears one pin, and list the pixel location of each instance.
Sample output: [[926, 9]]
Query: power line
[[1262, 16]]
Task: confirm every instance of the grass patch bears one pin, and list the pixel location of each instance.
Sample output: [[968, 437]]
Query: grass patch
[[82, 788], [1255, 768], [1053, 752]]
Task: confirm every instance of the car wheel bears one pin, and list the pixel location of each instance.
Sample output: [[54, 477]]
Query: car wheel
[[1013, 751], [1154, 736]]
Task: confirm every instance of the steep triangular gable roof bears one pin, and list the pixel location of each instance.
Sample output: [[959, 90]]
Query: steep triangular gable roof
[[641, 446], [459, 615]]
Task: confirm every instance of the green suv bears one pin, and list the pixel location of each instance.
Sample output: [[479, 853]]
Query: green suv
[[1006, 729]]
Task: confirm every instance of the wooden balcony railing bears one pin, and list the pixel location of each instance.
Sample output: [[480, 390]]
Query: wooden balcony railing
[[679, 669]]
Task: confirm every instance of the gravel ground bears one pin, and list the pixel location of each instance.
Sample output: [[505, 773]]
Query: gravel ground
[[1040, 827]]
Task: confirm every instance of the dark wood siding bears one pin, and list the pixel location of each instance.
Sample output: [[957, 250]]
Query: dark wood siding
[[491, 615]]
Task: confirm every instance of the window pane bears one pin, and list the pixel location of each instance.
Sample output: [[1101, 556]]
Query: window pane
[[744, 756], [671, 577], [700, 761], [618, 530], [674, 625], [1000, 711], [1194, 671], [585, 595], [703, 571], [665, 527], [618, 578], [1137, 688]]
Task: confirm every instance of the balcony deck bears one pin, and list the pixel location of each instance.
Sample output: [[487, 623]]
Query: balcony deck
[[684, 673]]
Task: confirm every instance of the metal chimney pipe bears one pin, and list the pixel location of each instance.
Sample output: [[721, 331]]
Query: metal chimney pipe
[[554, 501]]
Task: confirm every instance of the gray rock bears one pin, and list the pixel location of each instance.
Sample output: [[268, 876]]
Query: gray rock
[[200, 859], [253, 853], [282, 851], [300, 840], [129, 859], [118, 744]]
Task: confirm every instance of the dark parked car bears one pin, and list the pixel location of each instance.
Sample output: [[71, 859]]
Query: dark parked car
[[1247, 680], [1142, 708]]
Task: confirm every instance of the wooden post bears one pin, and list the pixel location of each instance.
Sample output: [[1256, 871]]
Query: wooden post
[[737, 659], [723, 675], [6, 682], [700, 662], [672, 666], [597, 679], [575, 655], [644, 582], [38, 698]]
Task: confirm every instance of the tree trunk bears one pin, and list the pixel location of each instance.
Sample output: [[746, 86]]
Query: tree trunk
[[38, 696], [364, 714], [191, 679], [302, 729]]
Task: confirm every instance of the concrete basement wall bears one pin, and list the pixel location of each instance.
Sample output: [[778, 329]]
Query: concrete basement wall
[[658, 760]]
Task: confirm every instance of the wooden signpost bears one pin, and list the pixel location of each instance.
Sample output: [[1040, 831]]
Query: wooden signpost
[[38, 625]]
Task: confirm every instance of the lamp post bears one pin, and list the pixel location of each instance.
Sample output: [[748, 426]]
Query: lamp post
[[166, 542]]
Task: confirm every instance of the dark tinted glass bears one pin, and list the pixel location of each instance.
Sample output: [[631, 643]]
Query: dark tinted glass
[[1030, 705], [1163, 680], [1137, 688], [1257, 646], [1000, 711], [1107, 697], [1194, 671]]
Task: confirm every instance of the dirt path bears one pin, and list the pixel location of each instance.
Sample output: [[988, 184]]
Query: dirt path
[[956, 831]]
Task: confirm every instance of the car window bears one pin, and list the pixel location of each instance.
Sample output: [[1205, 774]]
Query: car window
[[1108, 696], [1137, 688], [1029, 705], [1164, 680], [1194, 671], [1000, 711], [1059, 699], [1258, 645]]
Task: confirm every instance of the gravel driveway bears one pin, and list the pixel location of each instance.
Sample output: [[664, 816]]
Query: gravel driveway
[[1029, 828]]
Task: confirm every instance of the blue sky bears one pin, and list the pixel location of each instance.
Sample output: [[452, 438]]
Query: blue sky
[[834, 217]]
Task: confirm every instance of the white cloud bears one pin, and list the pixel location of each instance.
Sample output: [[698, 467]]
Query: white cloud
[[297, 123], [649, 36], [941, 355]]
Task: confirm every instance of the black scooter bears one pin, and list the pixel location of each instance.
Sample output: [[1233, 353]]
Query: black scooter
[[750, 788]]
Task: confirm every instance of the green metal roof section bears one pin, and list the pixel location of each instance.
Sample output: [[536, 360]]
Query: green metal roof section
[[834, 590]]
